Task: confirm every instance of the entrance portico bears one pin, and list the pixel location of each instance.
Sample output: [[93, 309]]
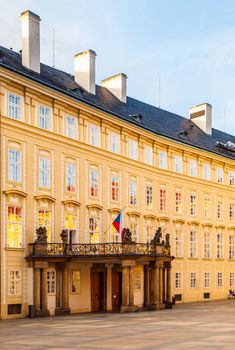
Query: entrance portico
[[123, 277]]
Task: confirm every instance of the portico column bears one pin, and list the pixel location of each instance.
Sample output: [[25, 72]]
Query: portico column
[[146, 286], [125, 286], [156, 298], [37, 289], [163, 284], [131, 286], [160, 284], [65, 289], [58, 288], [168, 288], [44, 290]]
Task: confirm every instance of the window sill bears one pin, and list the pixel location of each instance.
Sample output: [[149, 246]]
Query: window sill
[[14, 249]]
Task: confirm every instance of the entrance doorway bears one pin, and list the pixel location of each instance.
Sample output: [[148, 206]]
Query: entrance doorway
[[116, 290], [98, 295]]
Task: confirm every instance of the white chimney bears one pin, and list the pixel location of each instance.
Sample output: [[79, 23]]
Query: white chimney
[[84, 66], [117, 85], [201, 115], [30, 40]]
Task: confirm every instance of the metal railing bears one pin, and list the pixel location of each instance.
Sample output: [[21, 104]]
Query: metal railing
[[98, 249]]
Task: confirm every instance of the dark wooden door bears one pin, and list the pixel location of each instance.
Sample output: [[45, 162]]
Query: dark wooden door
[[95, 291], [117, 290]]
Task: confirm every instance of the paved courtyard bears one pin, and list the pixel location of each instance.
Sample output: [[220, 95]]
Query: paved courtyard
[[209, 325]]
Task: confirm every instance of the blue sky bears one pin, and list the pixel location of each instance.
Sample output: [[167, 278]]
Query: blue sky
[[190, 44]]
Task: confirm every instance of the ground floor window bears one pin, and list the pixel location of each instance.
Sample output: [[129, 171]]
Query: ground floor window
[[231, 279], [219, 279], [76, 282], [177, 280], [14, 282], [206, 279], [51, 280], [193, 280]]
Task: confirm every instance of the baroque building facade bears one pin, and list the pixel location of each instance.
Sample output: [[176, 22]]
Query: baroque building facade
[[73, 156]]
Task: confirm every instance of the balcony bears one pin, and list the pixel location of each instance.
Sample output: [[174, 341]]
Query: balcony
[[82, 250]]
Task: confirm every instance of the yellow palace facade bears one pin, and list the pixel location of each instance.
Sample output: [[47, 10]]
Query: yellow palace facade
[[73, 156]]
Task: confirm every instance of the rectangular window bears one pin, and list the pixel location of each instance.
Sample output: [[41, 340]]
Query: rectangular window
[[14, 106], [70, 177], [206, 205], [231, 279], [94, 179], [44, 220], [71, 126], [94, 135], [163, 160], [207, 245], [115, 187], [134, 231], [94, 230], [231, 211], [193, 280], [178, 164], [14, 165], [178, 201], [14, 282], [44, 117], [231, 179], [114, 142], [206, 280], [192, 167], [178, 242], [193, 244], [149, 232], [232, 247], [219, 246], [206, 172], [148, 155], [44, 172], [192, 203], [219, 209], [133, 149], [149, 195], [162, 198], [220, 175], [178, 280], [132, 192], [219, 279], [76, 282], [70, 221], [14, 227], [51, 275]]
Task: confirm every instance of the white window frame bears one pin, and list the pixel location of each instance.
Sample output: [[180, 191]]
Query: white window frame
[[149, 194], [219, 279], [231, 253], [193, 243], [220, 175], [162, 198], [70, 176], [162, 159], [231, 279], [51, 282], [115, 187], [178, 201], [178, 164], [94, 135], [207, 171], [193, 167], [93, 182], [178, 241], [231, 211], [15, 223], [115, 142], [14, 164], [219, 245], [44, 117], [206, 207], [44, 172], [148, 155], [219, 208], [193, 203], [133, 149], [193, 280], [231, 178], [132, 191], [206, 279], [14, 283], [71, 126], [206, 244], [14, 106], [178, 280]]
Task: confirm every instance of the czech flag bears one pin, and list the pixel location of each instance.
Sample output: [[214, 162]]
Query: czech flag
[[117, 223]]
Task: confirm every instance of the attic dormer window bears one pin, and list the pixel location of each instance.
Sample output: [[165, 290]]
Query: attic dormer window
[[137, 117]]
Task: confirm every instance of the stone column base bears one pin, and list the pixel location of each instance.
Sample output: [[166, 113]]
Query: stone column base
[[62, 311], [156, 306], [168, 305], [129, 308], [42, 313]]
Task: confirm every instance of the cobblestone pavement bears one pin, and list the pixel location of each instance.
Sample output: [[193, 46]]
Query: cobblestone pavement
[[209, 325]]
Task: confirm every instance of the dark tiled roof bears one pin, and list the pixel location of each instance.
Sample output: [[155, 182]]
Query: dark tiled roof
[[154, 119]]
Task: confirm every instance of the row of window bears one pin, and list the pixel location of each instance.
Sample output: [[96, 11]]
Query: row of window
[[94, 138], [44, 179], [15, 285], [194, 282], [44, 218]]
